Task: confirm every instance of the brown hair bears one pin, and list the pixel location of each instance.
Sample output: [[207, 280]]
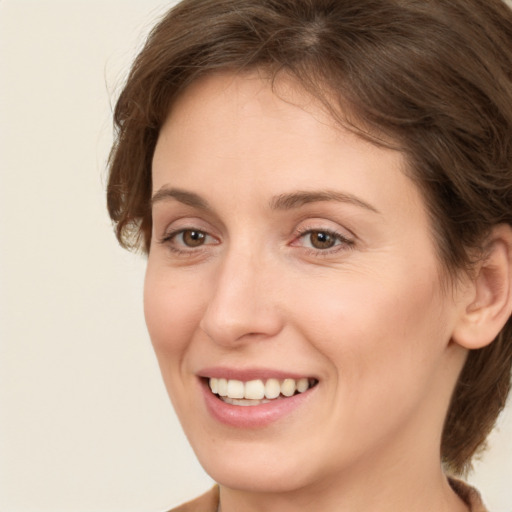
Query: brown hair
[[433, 76]]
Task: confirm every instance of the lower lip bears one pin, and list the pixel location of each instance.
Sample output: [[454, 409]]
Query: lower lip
[[252, 416]]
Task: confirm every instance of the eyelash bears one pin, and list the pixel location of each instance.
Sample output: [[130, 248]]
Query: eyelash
[[344, 242]]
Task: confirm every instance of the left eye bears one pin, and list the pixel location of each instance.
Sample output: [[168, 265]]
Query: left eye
[[322, 239]]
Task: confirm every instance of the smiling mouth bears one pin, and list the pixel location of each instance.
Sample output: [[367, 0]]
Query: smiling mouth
[[257, 392]]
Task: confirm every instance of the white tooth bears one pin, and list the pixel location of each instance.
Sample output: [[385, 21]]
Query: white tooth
[[235, 389], [288, 387], [302, 385], [254, 390], [222, 387], [214, 385], [272, 388]]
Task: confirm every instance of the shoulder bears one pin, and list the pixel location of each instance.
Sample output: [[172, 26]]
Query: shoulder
[[207, 502], [469, 495]]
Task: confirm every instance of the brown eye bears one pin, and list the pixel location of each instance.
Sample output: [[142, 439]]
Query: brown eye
[[193, 238], [322, 239]]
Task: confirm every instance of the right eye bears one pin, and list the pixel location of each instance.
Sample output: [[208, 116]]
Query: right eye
[[189, 238]]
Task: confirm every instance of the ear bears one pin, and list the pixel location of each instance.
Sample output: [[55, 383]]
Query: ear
[[488, 299]]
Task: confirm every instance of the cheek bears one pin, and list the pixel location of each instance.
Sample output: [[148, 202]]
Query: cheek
[[385, 346], [377, 331], [172, 311]]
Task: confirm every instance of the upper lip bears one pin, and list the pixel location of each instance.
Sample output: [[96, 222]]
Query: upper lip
[[247, 374]]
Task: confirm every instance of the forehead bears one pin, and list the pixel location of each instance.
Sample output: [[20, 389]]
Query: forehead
[[242, 129], [228, 100]]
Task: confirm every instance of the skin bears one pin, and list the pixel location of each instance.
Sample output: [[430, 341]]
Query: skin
[[369, 317]]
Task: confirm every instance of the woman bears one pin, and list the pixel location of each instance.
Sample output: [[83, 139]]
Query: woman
[[324, 192]]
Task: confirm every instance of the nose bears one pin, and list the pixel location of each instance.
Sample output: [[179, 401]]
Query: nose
[[243, 304]]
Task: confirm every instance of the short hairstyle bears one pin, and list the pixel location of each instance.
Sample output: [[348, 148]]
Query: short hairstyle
[[432, 76]]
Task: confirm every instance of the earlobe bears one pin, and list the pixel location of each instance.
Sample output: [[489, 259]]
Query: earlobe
[[488, 303]]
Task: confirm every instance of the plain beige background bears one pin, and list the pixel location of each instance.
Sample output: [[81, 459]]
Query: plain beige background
[[85, 424]]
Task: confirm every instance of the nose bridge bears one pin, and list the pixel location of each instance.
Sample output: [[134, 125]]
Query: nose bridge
[[241, 304]]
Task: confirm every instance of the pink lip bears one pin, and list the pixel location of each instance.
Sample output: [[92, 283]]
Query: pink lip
[[256, 416]]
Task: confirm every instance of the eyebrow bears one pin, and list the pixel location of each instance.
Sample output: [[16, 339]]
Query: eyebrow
[[281, 202], [183, 196], [298, 199]]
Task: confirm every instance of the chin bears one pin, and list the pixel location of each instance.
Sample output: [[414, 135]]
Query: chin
[[250, 478], [256, 467]]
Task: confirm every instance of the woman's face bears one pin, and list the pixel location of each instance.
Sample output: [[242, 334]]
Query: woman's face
[[287, 249]]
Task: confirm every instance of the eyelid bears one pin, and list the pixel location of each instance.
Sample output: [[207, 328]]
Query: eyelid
[[171, 225], [323, 224]]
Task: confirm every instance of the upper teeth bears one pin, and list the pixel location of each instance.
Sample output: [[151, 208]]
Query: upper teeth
[[258, 389]]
